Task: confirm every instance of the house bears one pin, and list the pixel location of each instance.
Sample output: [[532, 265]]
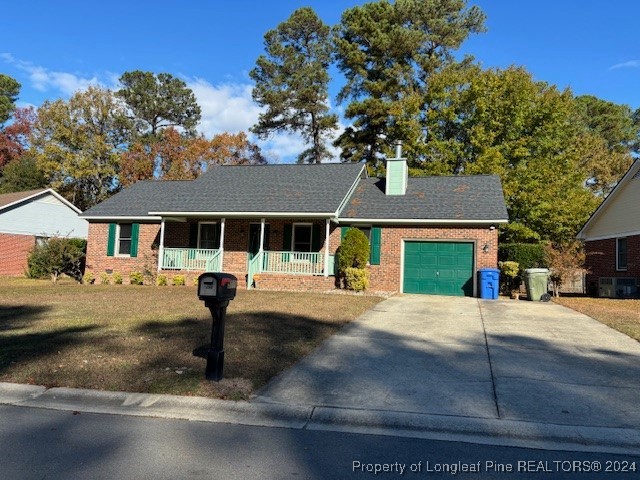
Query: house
[[612, 240], [285, 222], [27, 218]]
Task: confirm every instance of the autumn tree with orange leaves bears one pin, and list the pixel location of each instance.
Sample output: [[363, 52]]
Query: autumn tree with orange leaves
[[177, 157]]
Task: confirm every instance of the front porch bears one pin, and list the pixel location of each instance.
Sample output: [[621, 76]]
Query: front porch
[[241, 247], [278, 262]]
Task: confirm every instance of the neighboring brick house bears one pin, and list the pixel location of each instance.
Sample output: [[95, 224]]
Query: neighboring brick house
[[612, 240], [27, 217], [285, 222]]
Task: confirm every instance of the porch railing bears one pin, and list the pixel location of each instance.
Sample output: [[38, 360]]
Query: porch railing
[[206, 260], [297, 263]]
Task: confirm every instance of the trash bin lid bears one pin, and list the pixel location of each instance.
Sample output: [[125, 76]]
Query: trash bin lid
[[492, 270], [536, 270]]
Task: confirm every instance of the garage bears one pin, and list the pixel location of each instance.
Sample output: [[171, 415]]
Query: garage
[[438, 268]]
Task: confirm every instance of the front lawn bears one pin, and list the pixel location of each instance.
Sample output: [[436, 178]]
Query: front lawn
[[151, 339], [623, 315]]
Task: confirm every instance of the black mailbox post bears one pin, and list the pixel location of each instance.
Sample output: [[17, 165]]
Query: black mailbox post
[[216, 289]]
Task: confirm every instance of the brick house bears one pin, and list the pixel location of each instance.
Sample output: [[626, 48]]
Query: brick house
[[612, 240], [28, 217], [285, 222]]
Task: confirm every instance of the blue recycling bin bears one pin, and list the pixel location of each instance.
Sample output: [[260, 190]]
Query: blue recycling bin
[[489, 283]]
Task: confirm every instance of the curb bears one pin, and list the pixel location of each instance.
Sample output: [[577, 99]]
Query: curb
[[491, 431]]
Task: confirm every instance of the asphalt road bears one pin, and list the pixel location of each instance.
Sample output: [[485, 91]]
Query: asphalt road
[[38, 443]]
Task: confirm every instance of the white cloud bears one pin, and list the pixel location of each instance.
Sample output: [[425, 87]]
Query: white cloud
[[629, 64], [43, 79], [225, 108]]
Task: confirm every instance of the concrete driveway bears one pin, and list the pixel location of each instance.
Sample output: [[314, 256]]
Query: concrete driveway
[[514, 360]]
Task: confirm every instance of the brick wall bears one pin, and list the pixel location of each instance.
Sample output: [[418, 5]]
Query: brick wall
[[601, 260], [301, 283], [386, 276], [98, 261], [14, 250]]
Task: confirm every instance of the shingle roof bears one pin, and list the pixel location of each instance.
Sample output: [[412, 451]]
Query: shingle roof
[[312, 189], [246, 188], [139, 199], [9, 198], [464, 198]]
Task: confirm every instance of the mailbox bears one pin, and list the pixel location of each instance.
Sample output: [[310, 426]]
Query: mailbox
[[216, 289], [215, 286]]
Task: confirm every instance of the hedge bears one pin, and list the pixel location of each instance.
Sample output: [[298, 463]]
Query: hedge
[[528, 255]]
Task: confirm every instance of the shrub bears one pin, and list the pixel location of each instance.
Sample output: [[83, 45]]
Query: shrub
[[105, 279], [510, 275], [356, 279], [353, 251], [565, 262], [527, 255], [57, 256], [179, 280], [161, 281], [88, 278], [117, 278], [136, 278]]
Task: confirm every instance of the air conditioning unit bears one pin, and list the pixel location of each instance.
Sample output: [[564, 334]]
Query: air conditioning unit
[[613, 287]]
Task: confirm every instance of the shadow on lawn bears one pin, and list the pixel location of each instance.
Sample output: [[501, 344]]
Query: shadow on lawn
[[16, 316], [33, 346], [258, 345]]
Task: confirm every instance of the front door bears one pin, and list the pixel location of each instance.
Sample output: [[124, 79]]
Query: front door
[[254, 238]]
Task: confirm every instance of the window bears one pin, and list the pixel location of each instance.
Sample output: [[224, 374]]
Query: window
[[621, 253], [366, 231], [208, 236], [302, 237], [123, 239], [123, 242]]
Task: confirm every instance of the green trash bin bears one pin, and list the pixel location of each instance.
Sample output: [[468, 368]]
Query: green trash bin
[[535, 282]]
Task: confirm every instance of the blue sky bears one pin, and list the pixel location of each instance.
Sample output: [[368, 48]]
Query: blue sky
[[55, 48]]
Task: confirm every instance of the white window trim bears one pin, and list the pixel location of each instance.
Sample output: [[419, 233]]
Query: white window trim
[[199, 225], [117, 245], [618, 268], [293, 236]]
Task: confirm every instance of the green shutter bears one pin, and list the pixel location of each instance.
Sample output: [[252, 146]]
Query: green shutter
[[286, 237], [316, 241], [376, 243], [135, 233], [111, 240], [343, 232]]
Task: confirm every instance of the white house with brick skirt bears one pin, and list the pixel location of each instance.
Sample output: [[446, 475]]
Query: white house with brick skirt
[[28, 217], [612, 240], [285, 222]]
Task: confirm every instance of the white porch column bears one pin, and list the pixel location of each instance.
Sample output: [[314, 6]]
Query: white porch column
[[222, 221], [262, 235], [326, 248], [161, 248]]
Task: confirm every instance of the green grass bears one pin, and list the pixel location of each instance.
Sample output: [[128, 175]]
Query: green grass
[[152, 339]]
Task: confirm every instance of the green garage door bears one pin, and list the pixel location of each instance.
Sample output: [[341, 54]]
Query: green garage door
[[438, 268]]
